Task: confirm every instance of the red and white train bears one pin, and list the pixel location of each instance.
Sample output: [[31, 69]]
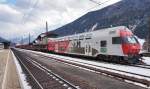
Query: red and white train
[[113, 44]]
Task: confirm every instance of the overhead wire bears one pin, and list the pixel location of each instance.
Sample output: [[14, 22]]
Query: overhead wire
[[32, 6], [98, 4], [95, 2]]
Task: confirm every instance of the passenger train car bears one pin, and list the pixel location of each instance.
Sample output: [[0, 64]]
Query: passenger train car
[[112, 44], [117, 43]]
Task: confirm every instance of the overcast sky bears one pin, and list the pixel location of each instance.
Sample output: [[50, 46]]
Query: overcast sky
[[21, 17]]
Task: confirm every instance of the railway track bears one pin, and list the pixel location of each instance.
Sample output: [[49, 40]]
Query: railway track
[[133, 65], [40, 77], [86, 58], [104, 70], [89, 58], [142, 66]]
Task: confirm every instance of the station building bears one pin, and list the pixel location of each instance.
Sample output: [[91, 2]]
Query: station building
[[4, 44], [1, 46]]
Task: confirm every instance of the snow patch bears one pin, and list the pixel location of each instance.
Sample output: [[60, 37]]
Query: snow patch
[[147, 60], [141, 41], [22, 78]]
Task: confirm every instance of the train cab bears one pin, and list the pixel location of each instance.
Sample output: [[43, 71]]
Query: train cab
[[130, 44]]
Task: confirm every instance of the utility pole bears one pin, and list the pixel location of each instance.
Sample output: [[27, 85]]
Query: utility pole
[[46, 32], [29, 38], [22, 40], [148, 37]]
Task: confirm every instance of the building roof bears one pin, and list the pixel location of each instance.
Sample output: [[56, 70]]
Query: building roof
[[2, 40], [49, 35]]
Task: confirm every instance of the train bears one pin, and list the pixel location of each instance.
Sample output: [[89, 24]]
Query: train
[[117, 44]]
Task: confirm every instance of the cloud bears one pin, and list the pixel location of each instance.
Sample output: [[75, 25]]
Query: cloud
[[9, 14], [29, 16], [2, 1]]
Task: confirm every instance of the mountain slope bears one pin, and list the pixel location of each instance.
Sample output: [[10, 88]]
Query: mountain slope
[[125, 12]]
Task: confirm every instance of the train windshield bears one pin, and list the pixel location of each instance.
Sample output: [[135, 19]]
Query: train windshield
[[130, 39]]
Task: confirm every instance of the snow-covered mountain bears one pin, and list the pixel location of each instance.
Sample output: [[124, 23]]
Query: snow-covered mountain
[[125, 12]]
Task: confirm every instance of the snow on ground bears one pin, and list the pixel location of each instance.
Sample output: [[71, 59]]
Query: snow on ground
[[22, 78], [107, 65], [147, 60], [141, 41], [140, 71]]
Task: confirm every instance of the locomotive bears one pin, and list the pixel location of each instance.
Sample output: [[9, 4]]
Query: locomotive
[[112, 44]]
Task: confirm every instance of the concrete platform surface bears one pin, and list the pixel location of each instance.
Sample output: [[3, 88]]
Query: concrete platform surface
[[8, 73]]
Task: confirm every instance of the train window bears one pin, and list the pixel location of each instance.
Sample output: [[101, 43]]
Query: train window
[[116, 40], [130, 39], [103, 43], [88, 36], [81, 37]]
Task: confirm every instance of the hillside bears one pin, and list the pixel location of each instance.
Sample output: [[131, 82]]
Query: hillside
[[125, 12]]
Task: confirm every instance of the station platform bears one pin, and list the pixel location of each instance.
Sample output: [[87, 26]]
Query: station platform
[[8, 74]]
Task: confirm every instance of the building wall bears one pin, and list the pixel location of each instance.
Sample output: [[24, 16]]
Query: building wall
[[1, 46]]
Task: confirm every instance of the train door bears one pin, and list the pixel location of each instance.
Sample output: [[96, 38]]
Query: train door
[[88, 49], [116, 46]]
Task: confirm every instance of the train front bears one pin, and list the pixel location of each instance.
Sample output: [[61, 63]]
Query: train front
[[130, 46]]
